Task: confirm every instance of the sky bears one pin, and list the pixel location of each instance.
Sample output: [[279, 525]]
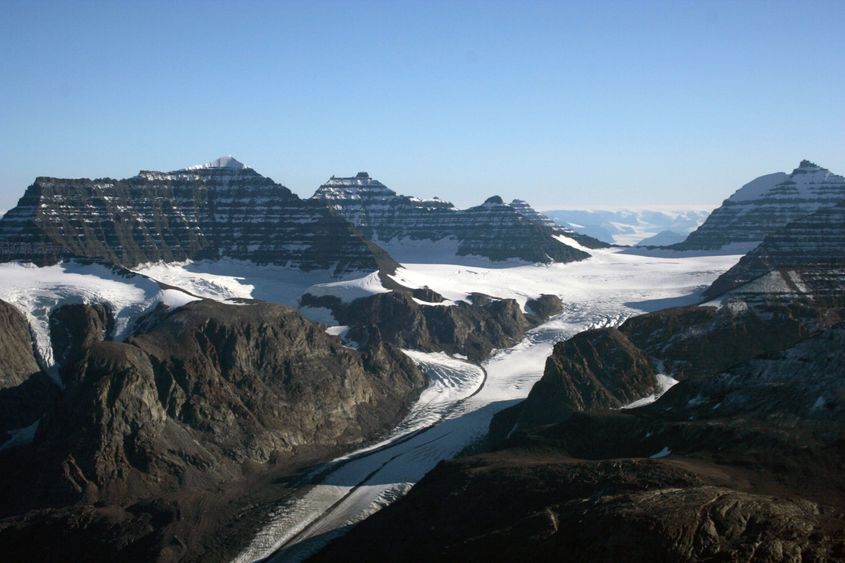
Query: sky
[[564, 104]]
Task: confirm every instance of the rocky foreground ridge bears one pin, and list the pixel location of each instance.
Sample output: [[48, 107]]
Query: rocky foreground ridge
[[767, 204], [153, 443], [741, 460]]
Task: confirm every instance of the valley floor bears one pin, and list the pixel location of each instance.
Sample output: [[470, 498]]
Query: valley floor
[[456, 410]]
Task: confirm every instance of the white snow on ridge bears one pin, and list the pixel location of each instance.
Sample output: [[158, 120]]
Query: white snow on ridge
[[664, 383], [227, 280], [758, 187], [349, 290], [175, 298], [37, 291], [610, 275], [665, 452], [227, 161], [21, 436]]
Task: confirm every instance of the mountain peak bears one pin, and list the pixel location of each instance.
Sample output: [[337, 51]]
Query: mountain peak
[[494, 200], [807, 166], [227, 161]]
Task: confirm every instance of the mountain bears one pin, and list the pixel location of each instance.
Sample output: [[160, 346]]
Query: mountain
[[523, 208], [806, 258], [628, 226], [766, 204], [156, 445], [412, 229], [215, 210], [25, 390]]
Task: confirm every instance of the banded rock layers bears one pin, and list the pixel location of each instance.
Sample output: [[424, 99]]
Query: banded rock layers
[[222, 209]]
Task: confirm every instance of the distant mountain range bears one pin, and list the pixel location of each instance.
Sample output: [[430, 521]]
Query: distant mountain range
[[226, 209], [630, 227], [203, 212]]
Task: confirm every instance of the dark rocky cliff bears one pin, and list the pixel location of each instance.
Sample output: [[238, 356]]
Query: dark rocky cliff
[[608, 368], [18, 360], [25, 390], [736, 464], [150, 433]]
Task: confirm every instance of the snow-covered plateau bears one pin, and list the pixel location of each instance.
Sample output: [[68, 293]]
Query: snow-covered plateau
[[631, 226], [457, 408]]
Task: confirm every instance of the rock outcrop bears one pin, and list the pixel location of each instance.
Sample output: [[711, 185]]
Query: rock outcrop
[[609, 368], [150, 433], [18, 360], [597, 369], [766, 205], [410, 228], [471, 329], [223, 209], [25, 390]]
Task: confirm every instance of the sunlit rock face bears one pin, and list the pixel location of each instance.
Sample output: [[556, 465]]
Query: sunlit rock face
[[767, 204], [219, 209], [493, 230]]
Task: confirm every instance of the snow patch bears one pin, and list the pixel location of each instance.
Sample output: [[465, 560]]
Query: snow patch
[[664, 383], [175, 298], [665, 452], [227, 161], [21, 437], [349, 290]]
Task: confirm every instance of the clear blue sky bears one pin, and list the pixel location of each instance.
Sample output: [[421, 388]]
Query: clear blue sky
[[563, 104]]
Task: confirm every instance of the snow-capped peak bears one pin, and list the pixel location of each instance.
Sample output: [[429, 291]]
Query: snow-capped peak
[[227, 161]]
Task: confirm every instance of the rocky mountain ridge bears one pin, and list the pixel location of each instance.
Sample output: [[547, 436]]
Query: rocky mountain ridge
[[222, 209], [805, 259], [765, 205], [404, 225], [148, 435]]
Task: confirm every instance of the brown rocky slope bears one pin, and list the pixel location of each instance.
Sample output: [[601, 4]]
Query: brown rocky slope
[[741, 461], [152, 437]]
